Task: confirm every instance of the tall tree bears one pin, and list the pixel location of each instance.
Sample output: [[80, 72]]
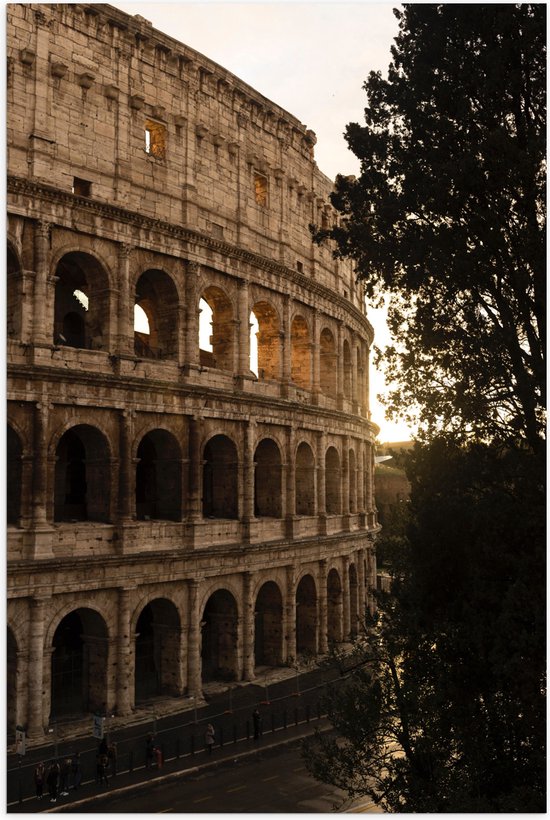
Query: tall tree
[[448, 216]]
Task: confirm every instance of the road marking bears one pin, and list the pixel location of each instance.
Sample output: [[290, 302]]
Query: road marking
[[202, 799], [163, 811], [236, 789], [301, 769], [265, 779]]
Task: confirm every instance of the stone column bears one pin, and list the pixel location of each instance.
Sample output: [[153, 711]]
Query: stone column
[[339, 364], [290, 615], [41, 464], [42, 332], [195, 472], [346, 597], [194, 643], [125, 652], [126, 494], [243, 320], [315, 385], [247, 513], [287, 345], [191, 354], [248, 629], [366, 380], [369, 467], [125, 304], [290, 482], [36, 718], [362, 599], [360, 483], [322, 607], [345, 476], [321, 483]]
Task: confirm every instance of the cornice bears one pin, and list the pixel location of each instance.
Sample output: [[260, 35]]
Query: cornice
[[18, 185]]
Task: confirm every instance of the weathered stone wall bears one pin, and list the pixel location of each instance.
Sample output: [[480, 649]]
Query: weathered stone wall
[[168, 507]]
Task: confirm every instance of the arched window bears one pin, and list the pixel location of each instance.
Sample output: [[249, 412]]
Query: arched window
[[268, 626], [267, 484], [81, 317], [268, 341], [82, 476], [333, 482], [220, 478], [327, 363], [156, 309], [158, 477], [13, 477], [347, 370], [219, 637], [217, 342], [306, 616], [14, 295], [300, 353], [334, 608], [158, 645], [305, 480]]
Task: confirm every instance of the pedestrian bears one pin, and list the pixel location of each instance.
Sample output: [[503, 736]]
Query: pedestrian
[[76, 771], [257, 720], [112, 752], [209, 738], [64, 770], [149, 751], [39, 775], [52, 779], [103, 769]]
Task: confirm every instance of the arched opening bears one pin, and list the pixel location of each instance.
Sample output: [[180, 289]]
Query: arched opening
[[220, 637], [79, 664], [306, 616], [334, 607], [300, 355], [81, 302], [158, 632], [267, 480], [158, 477], [220, 479], [219, 338], [360, 379], [352, 482], [14, 285], [156, 323], [268, 626], [332, 482], [11, 682], [347, 369], [353, 601], [268, 341], [327, 363], [13, 477], [82, 476], [305, 480]]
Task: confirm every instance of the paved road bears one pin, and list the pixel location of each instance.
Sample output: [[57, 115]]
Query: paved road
[[267, 782]]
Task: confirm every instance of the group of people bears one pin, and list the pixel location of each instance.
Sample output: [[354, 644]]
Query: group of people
[[60, 776]]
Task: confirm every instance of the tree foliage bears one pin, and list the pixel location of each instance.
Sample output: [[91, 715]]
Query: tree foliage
[[448, 216], [446, 709]]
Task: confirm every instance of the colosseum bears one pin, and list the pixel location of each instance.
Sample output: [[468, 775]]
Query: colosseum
[[189, 444]]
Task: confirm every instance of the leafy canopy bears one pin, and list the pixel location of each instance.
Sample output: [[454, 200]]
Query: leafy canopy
[[448, 216]]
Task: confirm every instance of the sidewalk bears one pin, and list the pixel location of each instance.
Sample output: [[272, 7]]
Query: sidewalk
[[172, 769]]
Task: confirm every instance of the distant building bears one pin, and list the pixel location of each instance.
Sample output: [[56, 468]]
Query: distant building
[[177, 511]]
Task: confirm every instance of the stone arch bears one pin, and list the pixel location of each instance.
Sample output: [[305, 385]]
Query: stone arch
[[220, 478], [359, 381], [158, 477], [300, 353], [80, 645], [157, 650], [220, 637], [157, 295], [14, 473], [221, 348], [269, 341], [81, 314], [306, 616], [268, 626], [11, 680], [82, 475], [352, 481], [334, 607], [14, 295], [333, 493], [268, 501], [353, 601], [305, 480], [347, 377], [327, 362]]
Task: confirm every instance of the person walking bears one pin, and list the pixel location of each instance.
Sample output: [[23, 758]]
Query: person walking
[[149, 751], [39, 776], [257, 721], [103, 769], [76, 771], [52, 780], [209, 738], [64, 770]]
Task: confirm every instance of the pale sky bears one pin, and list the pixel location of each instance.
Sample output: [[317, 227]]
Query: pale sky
[[312, 59]]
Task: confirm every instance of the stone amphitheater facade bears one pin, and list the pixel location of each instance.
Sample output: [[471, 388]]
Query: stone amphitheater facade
[[178, 512]]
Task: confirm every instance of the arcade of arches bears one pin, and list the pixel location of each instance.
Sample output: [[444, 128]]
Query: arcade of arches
[[119, 651]]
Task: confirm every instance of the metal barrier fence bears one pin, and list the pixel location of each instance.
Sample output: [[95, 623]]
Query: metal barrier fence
[[184, 741]]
